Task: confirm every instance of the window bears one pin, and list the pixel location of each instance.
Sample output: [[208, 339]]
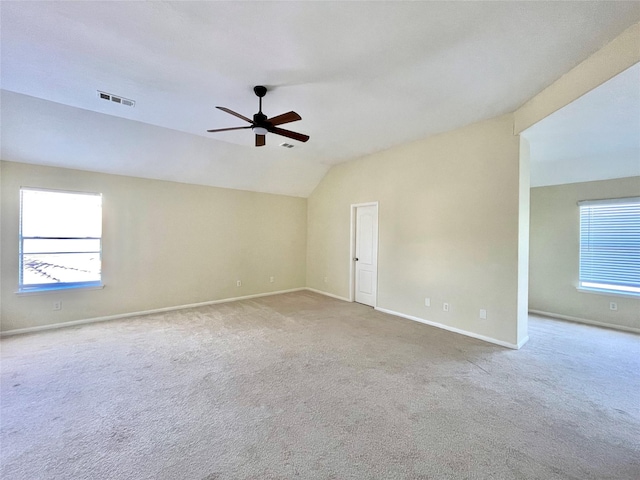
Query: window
[[610, 245], [60, 240]]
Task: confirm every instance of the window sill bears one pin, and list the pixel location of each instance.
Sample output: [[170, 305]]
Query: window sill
[[45, 291], [608, 293]]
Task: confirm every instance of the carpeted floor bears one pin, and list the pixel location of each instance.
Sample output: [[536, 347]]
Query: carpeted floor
[[304, 386]]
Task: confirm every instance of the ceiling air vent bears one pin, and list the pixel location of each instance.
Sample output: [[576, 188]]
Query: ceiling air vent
[[286, 145], [116, 99]]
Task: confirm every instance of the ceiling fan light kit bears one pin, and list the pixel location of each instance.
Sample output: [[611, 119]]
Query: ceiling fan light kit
[[261, 124]]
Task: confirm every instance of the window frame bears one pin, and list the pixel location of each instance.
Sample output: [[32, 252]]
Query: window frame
[[590, 285], [58, 286]]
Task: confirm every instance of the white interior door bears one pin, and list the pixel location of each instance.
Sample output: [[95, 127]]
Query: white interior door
[[366, 255]]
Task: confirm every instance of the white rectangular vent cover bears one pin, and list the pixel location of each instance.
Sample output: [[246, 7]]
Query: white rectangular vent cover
[[286, 145], [116, 99]]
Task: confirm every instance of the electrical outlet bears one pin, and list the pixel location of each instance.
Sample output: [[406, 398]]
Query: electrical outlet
[[272, 279], [238, 283], [445, 307], [613, 306], [427, 302], [57, 305], [483, 314]]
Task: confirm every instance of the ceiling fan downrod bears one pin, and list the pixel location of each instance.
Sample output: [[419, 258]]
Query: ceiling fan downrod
[[260, 119]]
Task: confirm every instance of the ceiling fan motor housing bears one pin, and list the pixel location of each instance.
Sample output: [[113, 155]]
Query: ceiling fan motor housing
[[260, 124], [260, 119]]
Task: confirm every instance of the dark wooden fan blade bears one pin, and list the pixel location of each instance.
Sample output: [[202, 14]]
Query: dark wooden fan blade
[[288, 133], [235, 114], [285, 118], [260, 140], [227, 129]]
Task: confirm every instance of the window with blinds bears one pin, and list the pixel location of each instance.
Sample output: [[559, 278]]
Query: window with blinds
[[60, 239], [610, 245]]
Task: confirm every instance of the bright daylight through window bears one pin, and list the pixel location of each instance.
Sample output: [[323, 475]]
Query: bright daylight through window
[[60, 240], [610, 246]]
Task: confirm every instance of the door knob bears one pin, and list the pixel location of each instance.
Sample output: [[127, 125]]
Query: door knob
[[355, 259]]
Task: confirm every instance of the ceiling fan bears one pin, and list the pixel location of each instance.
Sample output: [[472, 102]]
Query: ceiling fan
[[261, 125]]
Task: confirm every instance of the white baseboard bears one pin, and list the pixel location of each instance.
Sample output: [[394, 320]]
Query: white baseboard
[[73, 323], [328, 294], [456, 330], [584, 320], [434, 324]]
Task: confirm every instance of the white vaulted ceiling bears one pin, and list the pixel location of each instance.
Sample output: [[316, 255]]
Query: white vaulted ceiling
[[364, 76], [596, 137]]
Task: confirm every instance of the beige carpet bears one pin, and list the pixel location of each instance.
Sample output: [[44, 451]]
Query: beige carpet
[[304, 386]]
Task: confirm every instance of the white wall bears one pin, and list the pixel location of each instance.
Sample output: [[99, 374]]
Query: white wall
[[448, 220], [524, 203], [164, 244], [554, 251]]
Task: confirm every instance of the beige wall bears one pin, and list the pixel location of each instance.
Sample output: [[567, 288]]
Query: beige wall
[[448, 227], [554, 250], [164, 244]]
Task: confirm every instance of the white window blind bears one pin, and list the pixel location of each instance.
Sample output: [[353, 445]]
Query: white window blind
[[610, 245], [60, 239]]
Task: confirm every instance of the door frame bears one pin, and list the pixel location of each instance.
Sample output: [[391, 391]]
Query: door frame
[[352, 250]]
